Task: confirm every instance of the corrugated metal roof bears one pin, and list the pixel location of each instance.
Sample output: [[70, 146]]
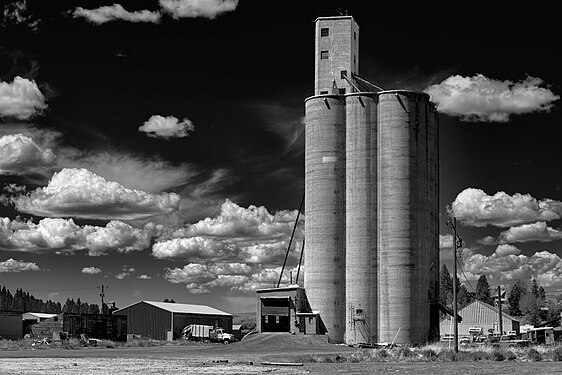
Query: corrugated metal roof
[[182, 308], [38, 315]]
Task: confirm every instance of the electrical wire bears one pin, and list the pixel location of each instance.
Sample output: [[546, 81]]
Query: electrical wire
[[471, 287]]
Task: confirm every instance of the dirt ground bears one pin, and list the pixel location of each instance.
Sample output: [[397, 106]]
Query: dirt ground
[[245, 357]]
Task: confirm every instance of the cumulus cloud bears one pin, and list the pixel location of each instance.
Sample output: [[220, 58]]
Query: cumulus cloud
[[63, 235], [144, 277], [21, 99], [538, 231], [19, 155], [12, 265], [507, 265], [81, 193], [166, 127], [126, 271], [116, 12], [90, 270], [174, 8], [232, 250], [476, 208], [483, 99], [487, 241], [202, 278], [197, 8], [251, 235]]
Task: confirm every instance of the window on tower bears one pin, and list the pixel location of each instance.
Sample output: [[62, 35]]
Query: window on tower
[[324, 31], [324, 55]]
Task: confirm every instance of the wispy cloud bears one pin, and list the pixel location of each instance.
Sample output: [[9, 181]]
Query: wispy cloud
[[16, 13], [116, 12], [482, 99], [476, 208], [21, 99], [12, 265], [174, 8], [166, 127]]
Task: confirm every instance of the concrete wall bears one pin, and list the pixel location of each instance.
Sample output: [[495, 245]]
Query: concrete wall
[[325, 210], [361, 219], [342, 45]]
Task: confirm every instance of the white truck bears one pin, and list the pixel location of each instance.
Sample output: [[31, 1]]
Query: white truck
[[201, 331]]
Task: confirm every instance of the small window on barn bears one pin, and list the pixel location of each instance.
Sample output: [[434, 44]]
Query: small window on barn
[[359, 311], [276, 318], [55, 318], [324, 55], [265, 319], [323, 92], [324, 31]]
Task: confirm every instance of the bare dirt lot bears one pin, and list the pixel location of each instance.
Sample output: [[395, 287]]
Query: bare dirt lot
[[245, 357]]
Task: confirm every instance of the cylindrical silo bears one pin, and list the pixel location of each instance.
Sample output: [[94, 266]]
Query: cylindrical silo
[[433, 147], [325, 210], [402, 204], [361, 219]]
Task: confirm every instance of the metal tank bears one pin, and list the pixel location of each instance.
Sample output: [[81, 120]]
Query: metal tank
[[325, 210], [404, 251], [361, 219]]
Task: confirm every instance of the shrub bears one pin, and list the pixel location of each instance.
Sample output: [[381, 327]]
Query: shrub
[[448, 355], [533, 355], [498, 355], [478, 355], [429, 354], [404, 352], [556, 354]]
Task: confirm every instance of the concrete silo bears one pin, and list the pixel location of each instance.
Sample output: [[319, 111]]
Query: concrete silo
[[404, 230], [361, 218], [325, 210]]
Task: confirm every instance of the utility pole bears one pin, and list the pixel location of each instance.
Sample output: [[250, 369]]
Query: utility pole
[[456, 242], [102, 295], [500, 310]]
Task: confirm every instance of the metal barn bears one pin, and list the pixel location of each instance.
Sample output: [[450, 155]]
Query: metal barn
[[165, 321], [479, 315]]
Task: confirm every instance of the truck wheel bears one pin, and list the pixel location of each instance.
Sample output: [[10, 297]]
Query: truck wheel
[[225, 342]]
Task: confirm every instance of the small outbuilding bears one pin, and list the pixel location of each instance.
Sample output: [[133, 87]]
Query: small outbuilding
[[479, 315], [165, 321]]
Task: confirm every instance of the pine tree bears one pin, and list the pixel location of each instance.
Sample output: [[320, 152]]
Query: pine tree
[[445, 286], [517, 292], [483, 291]]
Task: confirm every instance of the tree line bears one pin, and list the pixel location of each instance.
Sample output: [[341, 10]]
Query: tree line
[[526, 299], [23, 302]]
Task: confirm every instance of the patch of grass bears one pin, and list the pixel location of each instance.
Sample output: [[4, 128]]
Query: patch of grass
[[429, 354], [556, 354], [478, 355]]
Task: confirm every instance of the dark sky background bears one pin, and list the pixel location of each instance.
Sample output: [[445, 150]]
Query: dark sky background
[[241, 79]]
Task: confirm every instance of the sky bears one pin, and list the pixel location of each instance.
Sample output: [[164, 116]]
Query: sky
[[156, 147]]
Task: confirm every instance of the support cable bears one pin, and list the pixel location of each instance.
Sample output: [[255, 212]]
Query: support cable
[[290, 241]]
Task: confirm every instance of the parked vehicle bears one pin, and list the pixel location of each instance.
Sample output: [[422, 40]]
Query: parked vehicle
[[200, 331], [465, 340]]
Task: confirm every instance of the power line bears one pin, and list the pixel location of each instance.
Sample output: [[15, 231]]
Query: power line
[[471, 287]]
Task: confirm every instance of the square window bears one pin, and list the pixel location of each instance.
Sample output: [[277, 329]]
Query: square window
[[359, 311], [341, 91], [324, 55], [324, 31]]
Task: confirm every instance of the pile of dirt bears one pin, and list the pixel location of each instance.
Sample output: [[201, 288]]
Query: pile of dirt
[[279, 342]]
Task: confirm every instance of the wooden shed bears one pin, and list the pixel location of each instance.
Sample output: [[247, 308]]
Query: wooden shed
[[165, 321]]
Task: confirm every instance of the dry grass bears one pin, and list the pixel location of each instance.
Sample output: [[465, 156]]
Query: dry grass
[[439, 352]]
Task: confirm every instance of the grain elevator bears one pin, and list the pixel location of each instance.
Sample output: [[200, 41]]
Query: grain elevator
[[371, 200]]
